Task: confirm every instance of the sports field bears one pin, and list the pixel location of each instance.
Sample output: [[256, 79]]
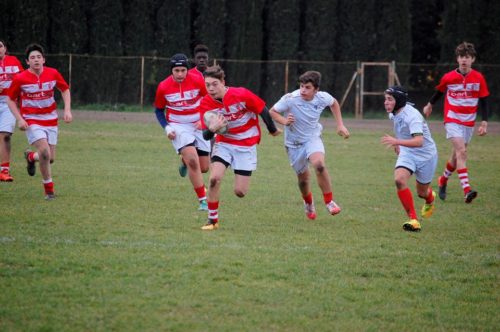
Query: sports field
[[121, 249]]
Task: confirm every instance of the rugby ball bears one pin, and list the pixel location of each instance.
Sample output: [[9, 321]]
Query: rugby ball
[[209, 116]]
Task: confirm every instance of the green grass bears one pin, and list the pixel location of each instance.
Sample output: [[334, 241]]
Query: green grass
[[120, 249]]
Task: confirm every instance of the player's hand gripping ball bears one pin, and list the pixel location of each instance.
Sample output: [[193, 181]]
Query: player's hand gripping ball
[[215, 122]]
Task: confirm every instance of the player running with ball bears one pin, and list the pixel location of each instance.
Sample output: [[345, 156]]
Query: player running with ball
[[302, 110], [238, 109], [416, 152]]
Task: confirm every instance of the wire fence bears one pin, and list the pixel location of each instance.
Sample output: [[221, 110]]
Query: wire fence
[[132, 80]]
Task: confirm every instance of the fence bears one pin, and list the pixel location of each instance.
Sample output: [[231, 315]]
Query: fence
[[132, 80]]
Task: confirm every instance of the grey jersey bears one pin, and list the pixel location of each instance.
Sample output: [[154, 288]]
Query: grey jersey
[[306, 114], [408, 122]]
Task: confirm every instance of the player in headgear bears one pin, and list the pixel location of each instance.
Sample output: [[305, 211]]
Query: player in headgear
[[9, 67], [465, 89], [176, 107], [416, 151]]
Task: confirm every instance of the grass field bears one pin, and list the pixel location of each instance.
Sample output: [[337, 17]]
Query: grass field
[[120, 249]]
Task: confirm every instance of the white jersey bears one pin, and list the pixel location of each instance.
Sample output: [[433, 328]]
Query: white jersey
[[408, 122], [306, 114]]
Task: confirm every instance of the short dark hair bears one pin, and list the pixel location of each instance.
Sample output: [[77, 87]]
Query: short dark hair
[[34, 47], [311, 76], [200, 48], [3, 42], [464, 49], [214, 72]]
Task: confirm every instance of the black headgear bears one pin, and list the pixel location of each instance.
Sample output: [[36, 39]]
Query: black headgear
[[399, 94], [179, 60]]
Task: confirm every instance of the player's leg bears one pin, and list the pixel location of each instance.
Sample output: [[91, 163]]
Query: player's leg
[[190, 156], [424, 174], [241, 182], [7, 126], [460, 147], [304, 183], [217, 170], [5, 148], [401, 177], [450, 167], [317, 160], [43, 151]]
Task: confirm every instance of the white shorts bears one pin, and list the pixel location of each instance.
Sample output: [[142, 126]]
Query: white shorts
[[424, 170], [298, 155], [7, 119], [36, 132], [185, 134], [458, 130], [241, 158]]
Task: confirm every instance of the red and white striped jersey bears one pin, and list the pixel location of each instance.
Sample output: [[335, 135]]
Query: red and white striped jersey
[[462, 95], [37, 103], [241, 108], [181, 100], [9, 67]]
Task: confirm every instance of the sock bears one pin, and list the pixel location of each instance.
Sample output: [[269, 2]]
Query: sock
[[327, 197], [406, 199], [32, 156], [201, 193], [308, 199], [430, 198], [448, 171], [464, 179], [5, 167], [48, 185], [213, 212]]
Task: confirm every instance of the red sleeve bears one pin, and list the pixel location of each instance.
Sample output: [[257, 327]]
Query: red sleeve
[[253, 102], [160, 101], [15, 89], [443, 84], [60, 82], [483, 88]]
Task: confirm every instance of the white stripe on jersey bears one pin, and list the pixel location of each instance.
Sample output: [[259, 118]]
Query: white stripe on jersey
[[34, 88], [460, 87], [461, 116], [468, 102], [48, 116], [40, 103], [3, 99], [251, 132], [177, 97], [9, 70], [5, 84], [188, 118]]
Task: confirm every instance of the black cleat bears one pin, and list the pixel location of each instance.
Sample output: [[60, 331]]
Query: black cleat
[[469, 197], [30, 167]]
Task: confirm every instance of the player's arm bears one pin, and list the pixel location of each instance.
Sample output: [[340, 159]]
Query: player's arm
[[268, 120], [341, 129], [485, 109], [416, 141], [21, 123], [66, 96], [434, 98]]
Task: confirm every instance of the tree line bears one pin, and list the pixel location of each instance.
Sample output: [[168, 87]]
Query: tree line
[[407, 31]]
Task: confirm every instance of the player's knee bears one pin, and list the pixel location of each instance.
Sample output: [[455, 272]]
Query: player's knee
[[6, 138], [44, 154], [51, 160], [214, 181], [320, 168], [192, 164], [303, 184], [240, 193], [400, 183]]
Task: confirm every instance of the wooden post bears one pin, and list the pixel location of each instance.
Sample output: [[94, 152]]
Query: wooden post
[[70, 68], [142, 83], [286, 77]]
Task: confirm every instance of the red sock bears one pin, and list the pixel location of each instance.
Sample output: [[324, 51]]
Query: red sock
[[49, 187], [430, 198], [5, 167], [327, 197], [308, 199], [200, 192], [448, 170], [213, 211], [406, 199], [464, 179], [31, 156]]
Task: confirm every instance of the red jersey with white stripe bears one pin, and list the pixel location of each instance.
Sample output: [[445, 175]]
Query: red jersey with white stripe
[[9, 67], [462, 95], [195, 70], [181, 100], [37, 103], [241, 108]]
